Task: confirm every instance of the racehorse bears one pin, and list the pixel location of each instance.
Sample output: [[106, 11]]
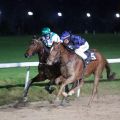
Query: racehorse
[[72, 69], [44, 71]]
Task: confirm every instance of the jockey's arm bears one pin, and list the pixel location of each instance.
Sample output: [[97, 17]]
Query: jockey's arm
[[73, 44], [56, 38]]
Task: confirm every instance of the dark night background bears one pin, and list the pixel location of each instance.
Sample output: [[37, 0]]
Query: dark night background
[[14, 18]]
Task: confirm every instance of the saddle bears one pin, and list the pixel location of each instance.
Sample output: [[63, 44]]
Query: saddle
[[89, 53], [90, 56]]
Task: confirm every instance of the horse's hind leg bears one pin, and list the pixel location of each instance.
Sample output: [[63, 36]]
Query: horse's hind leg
[[95, 89]]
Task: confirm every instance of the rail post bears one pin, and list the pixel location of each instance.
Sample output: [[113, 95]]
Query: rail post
[[27, 77]]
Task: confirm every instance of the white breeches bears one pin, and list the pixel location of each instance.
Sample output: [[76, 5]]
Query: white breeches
[[80, 51]]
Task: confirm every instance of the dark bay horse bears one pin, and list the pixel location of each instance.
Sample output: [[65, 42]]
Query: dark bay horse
[[44, 71], [72, 69]]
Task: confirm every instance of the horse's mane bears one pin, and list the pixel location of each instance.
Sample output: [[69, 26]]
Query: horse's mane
[[45, 47], [70, 52], [43, 44]]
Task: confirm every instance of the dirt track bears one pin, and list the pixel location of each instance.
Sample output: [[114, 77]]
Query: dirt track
[[106, 108]]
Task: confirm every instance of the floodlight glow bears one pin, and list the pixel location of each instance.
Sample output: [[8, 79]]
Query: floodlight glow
[[59, 14], [30, 13], [88, 14], [117, 15]]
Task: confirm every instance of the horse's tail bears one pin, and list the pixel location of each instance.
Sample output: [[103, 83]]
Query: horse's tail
[[110, 74]]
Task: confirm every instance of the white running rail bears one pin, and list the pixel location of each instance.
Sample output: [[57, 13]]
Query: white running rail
[[30, 64]]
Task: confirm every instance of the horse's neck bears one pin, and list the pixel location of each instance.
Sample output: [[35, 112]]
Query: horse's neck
[[66, 55], [42, 54]]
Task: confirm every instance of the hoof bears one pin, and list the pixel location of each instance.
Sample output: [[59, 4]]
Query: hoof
[[65, 104], [21, 103], [64, 94], [57, 102], [71, 93], [65, 101], [49, 89], [112, 77], [25, 99]]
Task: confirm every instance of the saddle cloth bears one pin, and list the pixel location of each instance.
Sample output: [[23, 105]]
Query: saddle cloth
[[90, 55]]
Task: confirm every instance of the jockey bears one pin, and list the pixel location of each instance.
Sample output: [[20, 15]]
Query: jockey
[[49, 37], [76, 43]]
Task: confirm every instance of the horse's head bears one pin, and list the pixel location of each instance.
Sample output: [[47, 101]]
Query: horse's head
[[54, 54], [35, 46]]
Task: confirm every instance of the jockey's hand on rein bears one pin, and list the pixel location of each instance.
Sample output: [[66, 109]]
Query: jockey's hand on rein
[[71, 47]]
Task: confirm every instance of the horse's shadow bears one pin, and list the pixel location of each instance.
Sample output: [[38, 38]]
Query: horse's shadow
[[44, 84], [22, 103], [22, 85]]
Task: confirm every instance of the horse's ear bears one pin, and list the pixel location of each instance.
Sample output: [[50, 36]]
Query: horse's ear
[[34, 36]]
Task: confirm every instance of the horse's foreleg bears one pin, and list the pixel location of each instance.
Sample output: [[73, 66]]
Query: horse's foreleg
[[26, 90], [77, 88], [57, 81], [64, 83], [37, 78]]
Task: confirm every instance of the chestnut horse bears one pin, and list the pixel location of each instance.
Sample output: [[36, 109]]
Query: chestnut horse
[[72, 69], [44, 71]]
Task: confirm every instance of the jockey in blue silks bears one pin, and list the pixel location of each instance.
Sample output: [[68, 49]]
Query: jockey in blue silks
[[76, 43]]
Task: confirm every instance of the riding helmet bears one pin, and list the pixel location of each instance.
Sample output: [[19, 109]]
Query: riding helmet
[[46, 30], [65, 35]]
